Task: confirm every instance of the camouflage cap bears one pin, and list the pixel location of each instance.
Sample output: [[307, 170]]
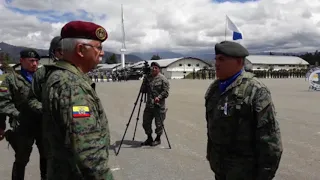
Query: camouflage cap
[[55, 44], [83, 29], [155, 64], [29, 53], [230, 48]]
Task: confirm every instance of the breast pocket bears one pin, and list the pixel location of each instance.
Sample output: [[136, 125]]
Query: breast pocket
[[158, 86], [225, 123]]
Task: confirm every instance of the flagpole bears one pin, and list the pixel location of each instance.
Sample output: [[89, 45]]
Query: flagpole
[[225, 30]]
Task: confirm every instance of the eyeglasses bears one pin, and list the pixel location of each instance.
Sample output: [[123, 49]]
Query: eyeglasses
[[97, 47]]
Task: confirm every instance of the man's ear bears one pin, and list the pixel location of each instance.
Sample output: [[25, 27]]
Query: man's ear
[[240, 61], [80, 49]]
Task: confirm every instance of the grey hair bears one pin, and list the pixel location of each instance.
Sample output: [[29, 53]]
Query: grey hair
[[68, 44]]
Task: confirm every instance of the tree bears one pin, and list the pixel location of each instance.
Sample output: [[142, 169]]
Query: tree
[[5, 60], [155, 57], [311, 58], [112, 59]]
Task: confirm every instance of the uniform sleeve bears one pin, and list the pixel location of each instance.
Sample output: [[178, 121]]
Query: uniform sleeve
[[83, 132], [34, 96], [166, 87], [269, 145], [7, 106]]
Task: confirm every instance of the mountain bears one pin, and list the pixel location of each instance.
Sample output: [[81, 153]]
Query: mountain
[[14, 53], [162, 54], [206, 55], [201, 55]]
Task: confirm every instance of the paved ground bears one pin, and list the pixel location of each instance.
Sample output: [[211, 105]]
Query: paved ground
[[298, 113]]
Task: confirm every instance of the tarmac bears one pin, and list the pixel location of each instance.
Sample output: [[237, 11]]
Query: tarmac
[[297, 112]]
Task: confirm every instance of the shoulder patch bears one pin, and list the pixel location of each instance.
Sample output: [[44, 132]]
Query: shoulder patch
[[80, 111], [3, 89]]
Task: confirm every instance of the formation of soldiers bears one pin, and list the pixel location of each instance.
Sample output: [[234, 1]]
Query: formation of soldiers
[[282, 73], [204, 74], [114, 76], [57, 107]]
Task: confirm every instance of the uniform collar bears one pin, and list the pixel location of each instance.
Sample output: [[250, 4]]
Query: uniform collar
[[75, 70], [236, 82], [70, 67], [26, 75]]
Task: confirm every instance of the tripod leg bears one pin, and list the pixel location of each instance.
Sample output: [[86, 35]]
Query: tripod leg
[[135, 129], [135, 104], [165, 132]]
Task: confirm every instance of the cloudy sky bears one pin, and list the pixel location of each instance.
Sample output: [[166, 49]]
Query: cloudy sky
[[174, 25]]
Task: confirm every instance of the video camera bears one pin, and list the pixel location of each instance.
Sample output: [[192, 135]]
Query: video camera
[[146, 68]]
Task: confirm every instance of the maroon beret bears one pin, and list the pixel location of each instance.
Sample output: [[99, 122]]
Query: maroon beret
[[83, 29]]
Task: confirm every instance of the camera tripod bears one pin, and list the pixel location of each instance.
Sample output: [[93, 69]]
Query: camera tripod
[[143, 96]]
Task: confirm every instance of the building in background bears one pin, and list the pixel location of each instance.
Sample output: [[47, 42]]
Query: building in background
[[175, 68], [266, 62]]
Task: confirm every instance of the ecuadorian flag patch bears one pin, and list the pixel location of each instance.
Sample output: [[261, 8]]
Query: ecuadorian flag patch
[[80, 111], [3, 89]]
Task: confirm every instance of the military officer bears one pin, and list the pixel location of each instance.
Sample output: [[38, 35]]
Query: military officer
[[157, 88], [13, 103], [244, 141], [39, 77], [76, 124]]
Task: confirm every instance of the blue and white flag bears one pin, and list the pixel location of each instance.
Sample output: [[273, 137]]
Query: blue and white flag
[[237, 34]]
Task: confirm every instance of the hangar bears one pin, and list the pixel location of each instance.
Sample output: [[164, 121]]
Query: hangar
[[266, 62], [175, 68]]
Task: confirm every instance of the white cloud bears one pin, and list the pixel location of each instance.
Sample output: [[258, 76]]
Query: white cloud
[[176, 25]]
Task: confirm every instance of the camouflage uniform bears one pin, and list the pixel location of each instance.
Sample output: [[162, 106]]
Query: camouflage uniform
[[39, 78], [13, 103], [159, 87], [244, 140], [36, 89], [76, 126]]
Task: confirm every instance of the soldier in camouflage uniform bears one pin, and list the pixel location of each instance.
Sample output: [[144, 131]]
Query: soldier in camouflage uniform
[[39, 77], [26, 123], [34, 97], [76, 124], [155, 106], [244, 141]]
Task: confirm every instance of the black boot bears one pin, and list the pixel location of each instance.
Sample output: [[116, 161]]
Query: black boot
[[157, 141], [18, 171], [43, 168], [148, 142]]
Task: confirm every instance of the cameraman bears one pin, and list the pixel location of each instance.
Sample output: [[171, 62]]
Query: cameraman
[[156, 86]]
